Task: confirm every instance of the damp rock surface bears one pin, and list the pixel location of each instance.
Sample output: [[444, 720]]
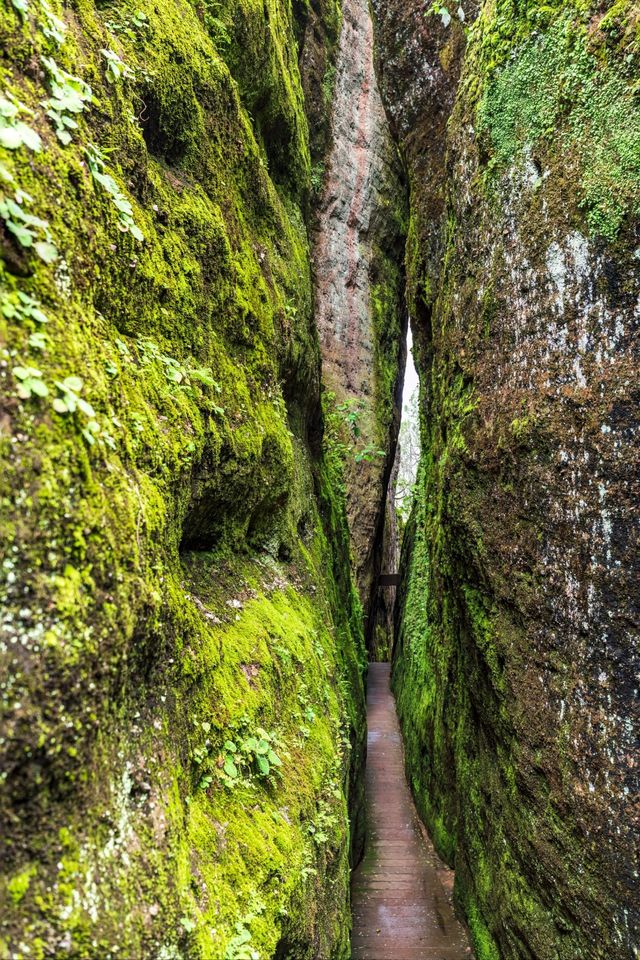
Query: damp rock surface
[[517, 641], [181, 650], [359, 295]]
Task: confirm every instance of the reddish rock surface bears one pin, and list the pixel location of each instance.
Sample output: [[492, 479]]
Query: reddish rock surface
[[359, 285]]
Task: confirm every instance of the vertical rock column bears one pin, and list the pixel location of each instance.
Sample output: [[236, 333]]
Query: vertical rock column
[[359, 294], [517, 651]]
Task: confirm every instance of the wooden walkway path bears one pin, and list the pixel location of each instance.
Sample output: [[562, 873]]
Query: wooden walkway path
[[400, 909]]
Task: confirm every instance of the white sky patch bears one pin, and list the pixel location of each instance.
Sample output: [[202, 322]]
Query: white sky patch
[[409, 433]]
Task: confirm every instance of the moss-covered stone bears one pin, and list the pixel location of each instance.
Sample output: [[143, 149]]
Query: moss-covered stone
[[513, 670], [175, 570]]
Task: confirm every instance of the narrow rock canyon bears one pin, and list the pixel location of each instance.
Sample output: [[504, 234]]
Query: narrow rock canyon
[[221, 223]]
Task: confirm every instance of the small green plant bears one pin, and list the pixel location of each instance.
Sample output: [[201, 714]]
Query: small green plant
[[22, 6], [237, 762], [116, 68], [14, 132], [123, 350], [69, 402], [69, 97], [326, 820], [328, 83], [176, 372], [351, 411], [203, 375], [319, 836], [97, 166], [255, 755], [54, 29], [216, 27], [239, 947], [29, 231], [130, 27], [304, 732], [368, 454], [38, 340], [21, 306], [441, 11], [317, 177], [30, 382]]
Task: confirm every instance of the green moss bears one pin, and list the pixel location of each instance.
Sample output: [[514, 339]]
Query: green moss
[[550, 91], [255, 844], [262, 57], [565, 100], [184, 480], [483, 943], [18, 885], [387, 295]]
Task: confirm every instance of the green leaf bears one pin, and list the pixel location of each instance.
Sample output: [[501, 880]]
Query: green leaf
[[263, 766], [21, 6], [10, 138], [64, 136], [39, 388], [8, 108], [203, 375], [262, 747], [136, 232], [38, 341], [85, 408], [60, 406], [23, 235], [122, 204], [23, 372], [230, 746], [274, 759], [46, 251], [29, 137], [72, 383], [230, 768]]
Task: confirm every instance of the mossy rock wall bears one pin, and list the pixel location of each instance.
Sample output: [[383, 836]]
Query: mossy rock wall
[[182, 707], [360, 228], [518, 612]]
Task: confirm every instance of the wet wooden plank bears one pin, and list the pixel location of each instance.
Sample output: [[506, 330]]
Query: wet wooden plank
[[400, 908]]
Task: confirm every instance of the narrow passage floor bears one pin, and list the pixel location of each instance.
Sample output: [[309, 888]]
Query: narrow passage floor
[[400, 909]]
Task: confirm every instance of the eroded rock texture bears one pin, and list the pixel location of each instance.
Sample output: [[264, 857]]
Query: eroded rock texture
[[517, 653], [359, 295], [180, 661]]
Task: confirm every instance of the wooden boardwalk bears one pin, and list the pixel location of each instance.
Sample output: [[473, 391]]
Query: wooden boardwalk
[[400, 909]]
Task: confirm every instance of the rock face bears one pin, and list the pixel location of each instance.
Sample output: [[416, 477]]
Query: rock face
[[181, 695], [518, 620], [359, 296]]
